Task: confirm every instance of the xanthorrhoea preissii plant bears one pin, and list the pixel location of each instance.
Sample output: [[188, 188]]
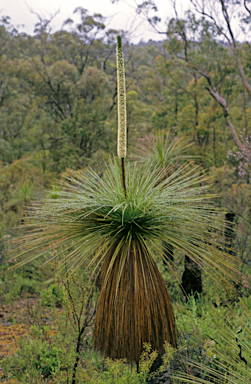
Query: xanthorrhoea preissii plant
[[168, 153], [118, 224], [161, 149], [134, 305]]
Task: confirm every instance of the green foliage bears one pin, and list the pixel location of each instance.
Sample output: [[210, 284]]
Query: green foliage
[[53, 295], [37, 357], [22, 283], [119, 372], [221, 334], [20, 183]]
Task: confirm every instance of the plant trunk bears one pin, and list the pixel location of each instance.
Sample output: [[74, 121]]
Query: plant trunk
[[229, 233], [191, 278], [134, 310]]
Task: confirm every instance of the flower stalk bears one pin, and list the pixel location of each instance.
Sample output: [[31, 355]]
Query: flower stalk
[[122, 130]]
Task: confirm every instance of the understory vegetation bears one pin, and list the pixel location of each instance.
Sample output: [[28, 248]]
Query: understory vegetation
[[180, 210]]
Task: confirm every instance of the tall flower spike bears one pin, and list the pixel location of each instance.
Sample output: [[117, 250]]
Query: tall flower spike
[[122, 139]]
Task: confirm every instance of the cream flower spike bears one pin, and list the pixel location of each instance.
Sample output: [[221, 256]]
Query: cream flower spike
[[122, 133]]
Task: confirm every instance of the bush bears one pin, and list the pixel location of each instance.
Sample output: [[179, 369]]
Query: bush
[[40, 355]]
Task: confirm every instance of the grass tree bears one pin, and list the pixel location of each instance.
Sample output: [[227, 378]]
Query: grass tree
[[117, 224], [163, 151], [167, 153]]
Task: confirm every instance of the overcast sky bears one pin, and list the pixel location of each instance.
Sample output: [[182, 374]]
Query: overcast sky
[[121, 15]]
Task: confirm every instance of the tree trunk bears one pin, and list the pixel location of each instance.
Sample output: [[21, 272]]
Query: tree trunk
[[134, 310], [191, 278]]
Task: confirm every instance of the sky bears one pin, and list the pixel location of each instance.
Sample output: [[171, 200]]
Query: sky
[[121, 15]]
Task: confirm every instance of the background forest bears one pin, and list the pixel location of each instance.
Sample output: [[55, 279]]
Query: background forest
[[58, 112]]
